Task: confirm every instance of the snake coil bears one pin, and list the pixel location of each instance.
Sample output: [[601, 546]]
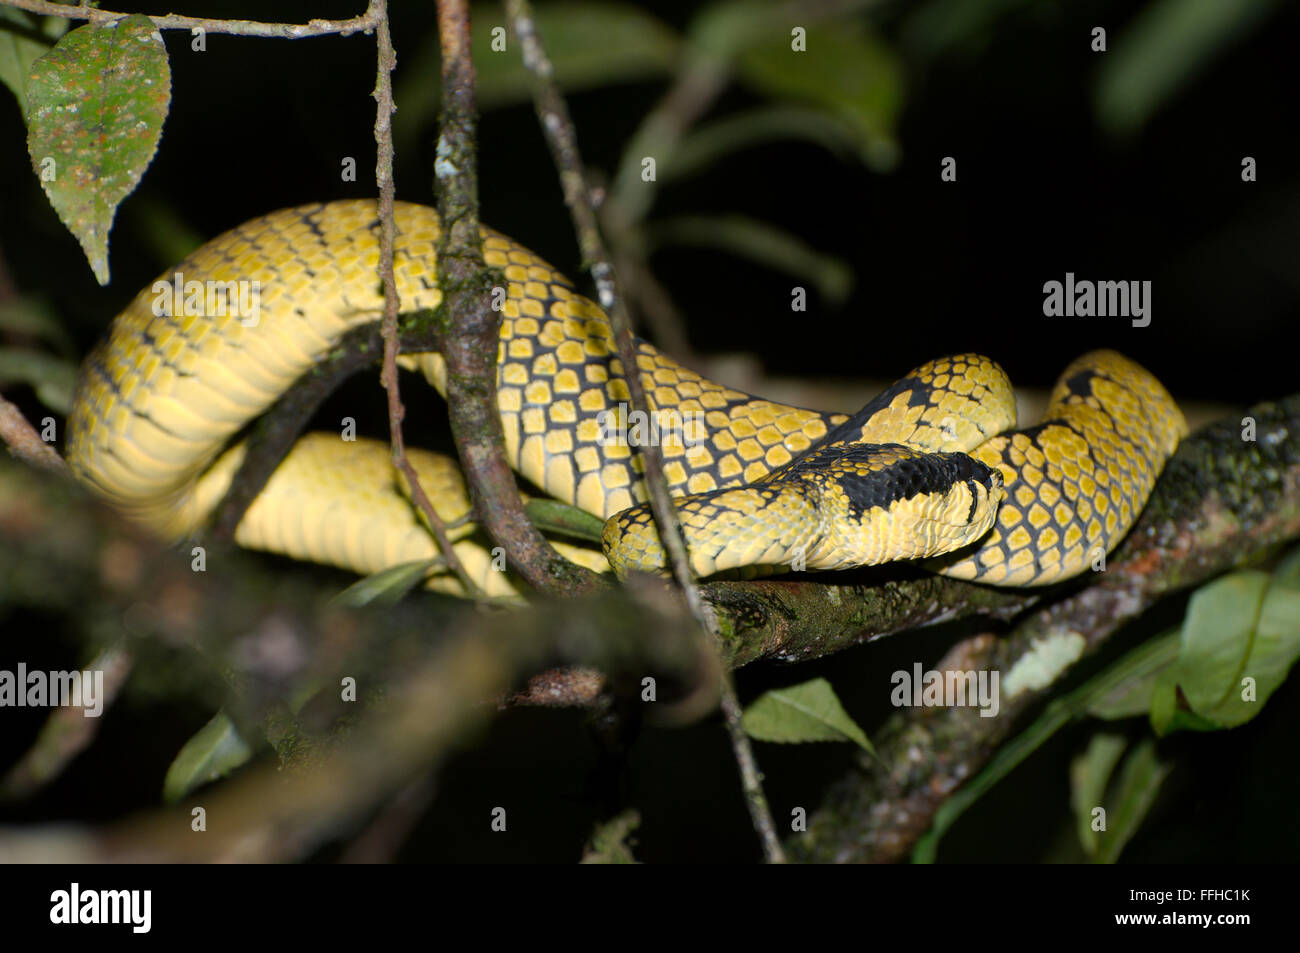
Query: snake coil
[[930, 468]]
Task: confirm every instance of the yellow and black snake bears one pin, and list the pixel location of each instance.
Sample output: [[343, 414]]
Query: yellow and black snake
[[930, 467]]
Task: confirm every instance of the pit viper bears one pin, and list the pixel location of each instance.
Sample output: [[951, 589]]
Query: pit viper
[[931, 469]]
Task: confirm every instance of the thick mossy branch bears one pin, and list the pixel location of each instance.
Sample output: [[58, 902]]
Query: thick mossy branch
[[1223, 500]]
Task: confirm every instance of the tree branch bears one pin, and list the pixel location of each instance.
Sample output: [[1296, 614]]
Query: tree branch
[[1221, 501], [470, 330], [170, 21], [562, 138], [387, 240]]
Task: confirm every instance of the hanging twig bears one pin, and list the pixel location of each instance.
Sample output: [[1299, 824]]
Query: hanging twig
[[553, 113]]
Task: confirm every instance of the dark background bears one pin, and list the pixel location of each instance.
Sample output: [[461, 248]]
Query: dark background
[[262, 124]]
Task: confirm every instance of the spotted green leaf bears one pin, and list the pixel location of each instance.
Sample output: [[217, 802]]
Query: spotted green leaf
[[96, 106], [807, 712]]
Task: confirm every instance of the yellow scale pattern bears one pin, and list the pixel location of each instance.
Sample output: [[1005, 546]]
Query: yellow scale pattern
[[165, 393]]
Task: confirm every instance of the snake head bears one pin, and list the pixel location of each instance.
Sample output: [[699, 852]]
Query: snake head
[[890, 502]]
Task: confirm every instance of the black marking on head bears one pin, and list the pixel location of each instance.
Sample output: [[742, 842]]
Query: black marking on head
[[974, 499], [916, 474]]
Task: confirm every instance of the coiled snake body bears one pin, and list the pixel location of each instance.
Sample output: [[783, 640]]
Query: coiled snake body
[[930, 467]]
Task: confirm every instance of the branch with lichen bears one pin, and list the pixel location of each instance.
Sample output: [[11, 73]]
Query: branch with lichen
[[1222, 501]]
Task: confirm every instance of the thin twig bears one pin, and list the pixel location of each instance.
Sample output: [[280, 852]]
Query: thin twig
[[67, 731], [471, 330], [561, 137], [24, 442], [170, 21], [387, 239]]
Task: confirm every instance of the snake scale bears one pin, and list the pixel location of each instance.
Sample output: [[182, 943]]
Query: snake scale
[[932, 468]]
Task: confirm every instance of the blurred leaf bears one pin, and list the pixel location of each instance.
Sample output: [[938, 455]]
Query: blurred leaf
[[1089, 775], [759, 242], [589, 44], [609, 841], [215, 751], [53, 378], [97, 103], [721, 30], [847, 70], [24, 37], [705, 145], [556, 517], [161, 227], [1135, 791], [938, 28], [1162, 49], [807, 712], [32, 316], [1132, 694], [388, 586]]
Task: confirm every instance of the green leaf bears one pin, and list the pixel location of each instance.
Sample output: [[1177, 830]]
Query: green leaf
[[1216, 638], [609, 840], [1164, 702], [215, 751], [24, 38], [53, 378], [97, 103], [1135, 791], [1133, 693], [388, 586], [1270, 644], [552, 516], [846, 70], [1167, 43], [589, 44], [807, 712], [1089, 775], [760, 242]]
